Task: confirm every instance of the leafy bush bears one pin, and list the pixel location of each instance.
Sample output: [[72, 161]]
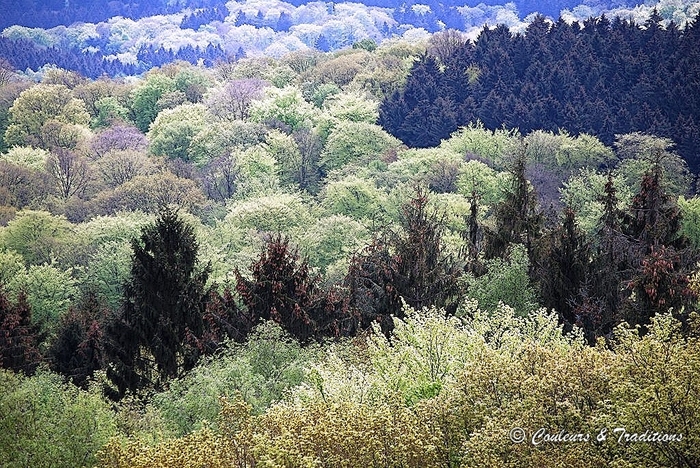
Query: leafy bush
[[45, 423]]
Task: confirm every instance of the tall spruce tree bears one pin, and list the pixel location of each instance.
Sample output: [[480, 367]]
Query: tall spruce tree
[[283, 289], [409, 265], [661, 259], [518, 219], [76, 352], [18, 336], [563, 270], [154, 336], [598, 306]]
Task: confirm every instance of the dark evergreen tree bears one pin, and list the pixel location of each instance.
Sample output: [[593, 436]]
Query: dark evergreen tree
[[154, 336], [563, 271], [518, 219], [597, 306], [409, 266], [76, 351], [282, 289], [18, 336], [322, 44], [605, 78], [284, 22], [660, 256]]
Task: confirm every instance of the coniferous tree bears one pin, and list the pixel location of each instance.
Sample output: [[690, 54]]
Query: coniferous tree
[[18, 336], [154, 336], [660, 257], [77, 350], [598, 306], [563, 271], [409, 266], [283, 289], [518, 219]]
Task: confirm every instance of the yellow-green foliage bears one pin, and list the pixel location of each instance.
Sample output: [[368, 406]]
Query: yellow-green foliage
[[45, 423], [366, 404]]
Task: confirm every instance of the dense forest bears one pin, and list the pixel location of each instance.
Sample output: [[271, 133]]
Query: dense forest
[[50, 13], [398, 254], [604, 78], [126, 39]]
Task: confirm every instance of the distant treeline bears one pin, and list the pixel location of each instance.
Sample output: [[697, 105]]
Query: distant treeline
[[603, 78], [51, 13], [23, 55]]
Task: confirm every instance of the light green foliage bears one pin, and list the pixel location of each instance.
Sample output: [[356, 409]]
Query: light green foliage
[[11, 267], [173, 130], [489, 186], [45, 423], [639, 152], [193, 82], [676, 179], [448, 391], [356, 143], [318, 93], [454, 209], [41, 105], [109, 110], [119, 228], [655, 385], [352, 196], [565, 151], [284, 149], [415, 164], [107, 243], [505, 329], [37, 235], [332, 239], [148, 193], [353, 107], [144, 99], [39, 36], [258, 172], [106, 271], [425, 353], [261, 371], [286, 105], [31, 158], [690, 212], [583, 193], [284, 212], [218, 138], [227, 246], [475, 140], [50, 292], [281, 76], [505, 281]]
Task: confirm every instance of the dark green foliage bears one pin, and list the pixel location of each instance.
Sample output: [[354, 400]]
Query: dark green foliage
[[564, 269], [605, 78], [518, 219], [154, 336], [18, 336], [409, 266], [225, 318], [76, 352], [282, 289], [660, 256]]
